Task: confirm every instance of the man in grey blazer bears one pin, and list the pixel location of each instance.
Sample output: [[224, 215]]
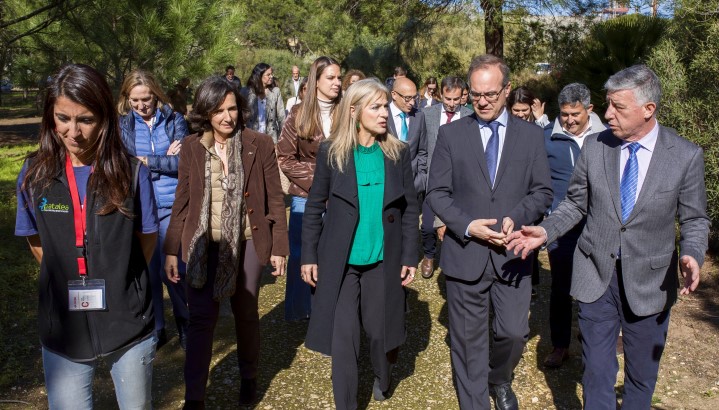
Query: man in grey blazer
[[633, 183], [489, 172], [406, 122], [291, 86], [450, 110]]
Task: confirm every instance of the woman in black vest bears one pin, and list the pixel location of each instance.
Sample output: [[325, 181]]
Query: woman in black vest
[[93, 250]]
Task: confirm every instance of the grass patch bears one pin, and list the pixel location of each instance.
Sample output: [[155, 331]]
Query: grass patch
[[19, 344]]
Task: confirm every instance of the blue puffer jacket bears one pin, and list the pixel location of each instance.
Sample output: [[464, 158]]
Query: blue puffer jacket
[[171, 127]]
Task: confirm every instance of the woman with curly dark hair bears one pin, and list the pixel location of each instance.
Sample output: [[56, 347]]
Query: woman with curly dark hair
[[229, 217]]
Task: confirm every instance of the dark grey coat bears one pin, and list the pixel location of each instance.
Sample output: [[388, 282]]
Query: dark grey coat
[[326, 241]]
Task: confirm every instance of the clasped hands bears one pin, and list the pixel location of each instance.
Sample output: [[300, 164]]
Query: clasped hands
[[480, 229]]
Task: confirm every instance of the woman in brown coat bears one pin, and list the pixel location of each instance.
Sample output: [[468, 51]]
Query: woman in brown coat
[[307, 125], [229, 216]]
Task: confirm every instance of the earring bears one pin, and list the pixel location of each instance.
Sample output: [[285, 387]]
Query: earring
[[357, 126]]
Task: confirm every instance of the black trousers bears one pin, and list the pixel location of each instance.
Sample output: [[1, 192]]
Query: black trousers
[[561, 260], [644, 338], [429, 237], [468, 304], [360, 303], [204, 311]]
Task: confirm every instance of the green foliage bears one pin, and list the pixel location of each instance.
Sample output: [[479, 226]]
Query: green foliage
[[171, 38], [686, 62], [611, 46], [19, 359]]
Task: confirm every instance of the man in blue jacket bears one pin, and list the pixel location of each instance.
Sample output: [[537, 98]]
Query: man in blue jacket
[[563, 140]]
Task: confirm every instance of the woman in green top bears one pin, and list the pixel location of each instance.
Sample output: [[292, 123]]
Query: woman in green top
[[359, 241]]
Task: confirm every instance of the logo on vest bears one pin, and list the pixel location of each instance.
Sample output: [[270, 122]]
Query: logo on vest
[[48, 207]]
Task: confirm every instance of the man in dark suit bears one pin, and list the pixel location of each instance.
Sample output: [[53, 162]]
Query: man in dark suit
[[407, 123], [435, 116], [489, 172], [563, 140], [633, 183]]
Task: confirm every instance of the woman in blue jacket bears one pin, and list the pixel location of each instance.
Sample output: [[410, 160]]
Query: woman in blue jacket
[[153, 132]]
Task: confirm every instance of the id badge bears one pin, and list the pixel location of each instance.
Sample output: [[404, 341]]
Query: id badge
[[85, 295]]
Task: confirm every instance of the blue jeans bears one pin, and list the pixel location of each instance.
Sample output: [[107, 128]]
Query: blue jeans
[[177, 292], [298, 294], [69, 383]]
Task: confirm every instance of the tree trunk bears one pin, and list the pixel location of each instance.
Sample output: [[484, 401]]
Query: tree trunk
[[493, 27]]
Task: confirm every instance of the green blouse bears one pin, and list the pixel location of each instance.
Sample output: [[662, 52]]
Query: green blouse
[[368, 241]]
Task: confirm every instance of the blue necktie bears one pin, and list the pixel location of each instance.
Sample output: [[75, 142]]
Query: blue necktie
[[405, 130], [628, 186], [491, 152]]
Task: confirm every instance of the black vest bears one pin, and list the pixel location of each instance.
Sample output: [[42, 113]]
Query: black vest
[[114, 254]]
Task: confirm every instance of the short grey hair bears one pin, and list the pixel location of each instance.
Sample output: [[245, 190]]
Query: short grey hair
[[575, 93], [641, 80], [489, 60]]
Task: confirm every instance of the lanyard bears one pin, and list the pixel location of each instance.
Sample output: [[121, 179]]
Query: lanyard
[[78, 212]]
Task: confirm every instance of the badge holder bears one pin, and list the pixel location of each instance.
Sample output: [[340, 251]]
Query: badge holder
[[86, 295]]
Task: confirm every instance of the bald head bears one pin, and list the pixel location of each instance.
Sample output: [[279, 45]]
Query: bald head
[[404, 94]]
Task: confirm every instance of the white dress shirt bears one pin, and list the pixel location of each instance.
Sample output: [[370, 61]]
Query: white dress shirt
[[487, 133], [443, 115], [398, 120], [644, 156]]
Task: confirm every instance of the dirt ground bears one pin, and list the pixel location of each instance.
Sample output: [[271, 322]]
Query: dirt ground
[[292, 377]]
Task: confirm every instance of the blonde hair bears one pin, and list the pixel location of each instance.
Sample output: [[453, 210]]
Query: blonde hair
[[344, 137], [308, 121], [135, 78]]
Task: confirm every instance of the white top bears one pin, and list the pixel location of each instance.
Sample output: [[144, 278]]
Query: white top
[[326, 116], [262, 114]]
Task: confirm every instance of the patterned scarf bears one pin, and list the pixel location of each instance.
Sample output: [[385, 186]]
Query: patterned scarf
[[233, 219]]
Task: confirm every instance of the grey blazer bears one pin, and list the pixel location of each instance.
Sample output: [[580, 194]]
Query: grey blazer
[[459, 192], [417, 141], [673, 191], [432, 119], [275, 111]]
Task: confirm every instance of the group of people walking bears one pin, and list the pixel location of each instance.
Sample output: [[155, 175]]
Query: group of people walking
[[118, 200]]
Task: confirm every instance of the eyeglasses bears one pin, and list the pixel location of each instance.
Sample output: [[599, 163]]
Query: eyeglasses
[[406, 99], [491, 96]]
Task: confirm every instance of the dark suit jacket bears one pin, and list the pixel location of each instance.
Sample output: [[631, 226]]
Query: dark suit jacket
[[417, 141], [333, 204], [459, 191], [673, 191]]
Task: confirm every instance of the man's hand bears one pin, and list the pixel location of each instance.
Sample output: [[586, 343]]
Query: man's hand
[[507, 227], [479, 228], [690, 272], [278, 262], [440, 232], [526, 240], [173, 274], [407, 274], [309, 274], [537, 108]]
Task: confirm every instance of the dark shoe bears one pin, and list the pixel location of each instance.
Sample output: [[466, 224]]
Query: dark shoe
[[194, 405], [556, 358], [161, 338], [248, 392], [182, 336], [534, 292], [427, 267], [378, 394], [504, 398]]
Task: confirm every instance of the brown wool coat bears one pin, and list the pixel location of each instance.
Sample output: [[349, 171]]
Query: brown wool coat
[[263, 196]]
